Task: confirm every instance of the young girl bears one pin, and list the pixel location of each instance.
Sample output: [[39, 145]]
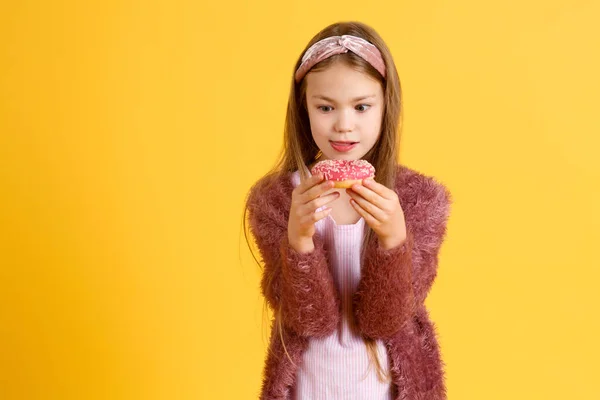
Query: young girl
[[347, 271]]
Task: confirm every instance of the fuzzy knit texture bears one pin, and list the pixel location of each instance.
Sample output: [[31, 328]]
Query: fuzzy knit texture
[[389, 300]]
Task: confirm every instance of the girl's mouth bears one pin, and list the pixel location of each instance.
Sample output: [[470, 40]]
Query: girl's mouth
[[343, 147]]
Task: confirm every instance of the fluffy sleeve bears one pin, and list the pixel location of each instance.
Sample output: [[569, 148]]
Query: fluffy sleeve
[[396, 281], [300, 283]]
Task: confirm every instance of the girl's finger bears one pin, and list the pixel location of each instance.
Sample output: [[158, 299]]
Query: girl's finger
[[316, 190], [309, 183], [312, 205], [368, 194], [378, 188], [369, 219], [314, 217], [373, 210]]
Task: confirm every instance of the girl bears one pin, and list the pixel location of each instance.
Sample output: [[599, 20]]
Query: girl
[[346, 272]]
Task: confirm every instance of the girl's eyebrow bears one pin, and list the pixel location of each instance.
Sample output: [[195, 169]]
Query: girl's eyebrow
[[320, 96]]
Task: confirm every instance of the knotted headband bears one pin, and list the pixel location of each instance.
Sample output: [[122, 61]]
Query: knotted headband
[[340, 44]]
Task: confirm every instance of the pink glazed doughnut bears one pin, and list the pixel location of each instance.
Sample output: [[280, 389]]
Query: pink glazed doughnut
[[344, 173]]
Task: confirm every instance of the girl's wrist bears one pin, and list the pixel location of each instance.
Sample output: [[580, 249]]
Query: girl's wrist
[[390, 243], [305, 245]]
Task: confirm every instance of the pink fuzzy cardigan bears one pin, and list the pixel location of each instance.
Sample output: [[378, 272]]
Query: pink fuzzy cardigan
[[389, 300]]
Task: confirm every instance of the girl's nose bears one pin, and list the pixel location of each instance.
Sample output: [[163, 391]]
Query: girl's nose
[[344, 122]]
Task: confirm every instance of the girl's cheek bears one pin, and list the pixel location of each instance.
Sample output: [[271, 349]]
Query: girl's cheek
[[322, 125]]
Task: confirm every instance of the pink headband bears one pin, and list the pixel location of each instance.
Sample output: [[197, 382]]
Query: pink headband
[[340, 44]]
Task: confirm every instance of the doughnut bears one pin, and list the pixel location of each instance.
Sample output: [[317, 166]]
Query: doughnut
[[344, 173]]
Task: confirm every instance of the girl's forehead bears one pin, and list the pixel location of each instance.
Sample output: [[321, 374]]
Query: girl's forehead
[[338, 88], [341, 79]]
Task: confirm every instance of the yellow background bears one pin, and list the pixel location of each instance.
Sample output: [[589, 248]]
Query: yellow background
[[130, 133]]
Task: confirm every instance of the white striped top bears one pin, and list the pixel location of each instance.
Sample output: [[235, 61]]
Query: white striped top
[[337, 367]]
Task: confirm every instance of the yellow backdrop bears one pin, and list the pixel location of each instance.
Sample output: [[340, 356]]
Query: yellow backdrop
[[130, 133]]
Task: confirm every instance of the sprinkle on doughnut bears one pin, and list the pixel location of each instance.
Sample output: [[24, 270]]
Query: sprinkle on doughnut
[[341, 170]]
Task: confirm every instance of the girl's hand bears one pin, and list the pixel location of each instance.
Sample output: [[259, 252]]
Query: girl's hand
[[380, 207], [305, 200]]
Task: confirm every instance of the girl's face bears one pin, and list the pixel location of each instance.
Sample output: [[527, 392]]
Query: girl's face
[[344, 105]]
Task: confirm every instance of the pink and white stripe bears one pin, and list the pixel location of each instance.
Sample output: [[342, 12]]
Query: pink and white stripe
[[337, 367]]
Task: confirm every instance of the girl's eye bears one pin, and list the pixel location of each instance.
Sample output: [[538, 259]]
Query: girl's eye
[[360, 105]]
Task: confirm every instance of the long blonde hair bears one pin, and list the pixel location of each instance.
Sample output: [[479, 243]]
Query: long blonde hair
[[299, 149]]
